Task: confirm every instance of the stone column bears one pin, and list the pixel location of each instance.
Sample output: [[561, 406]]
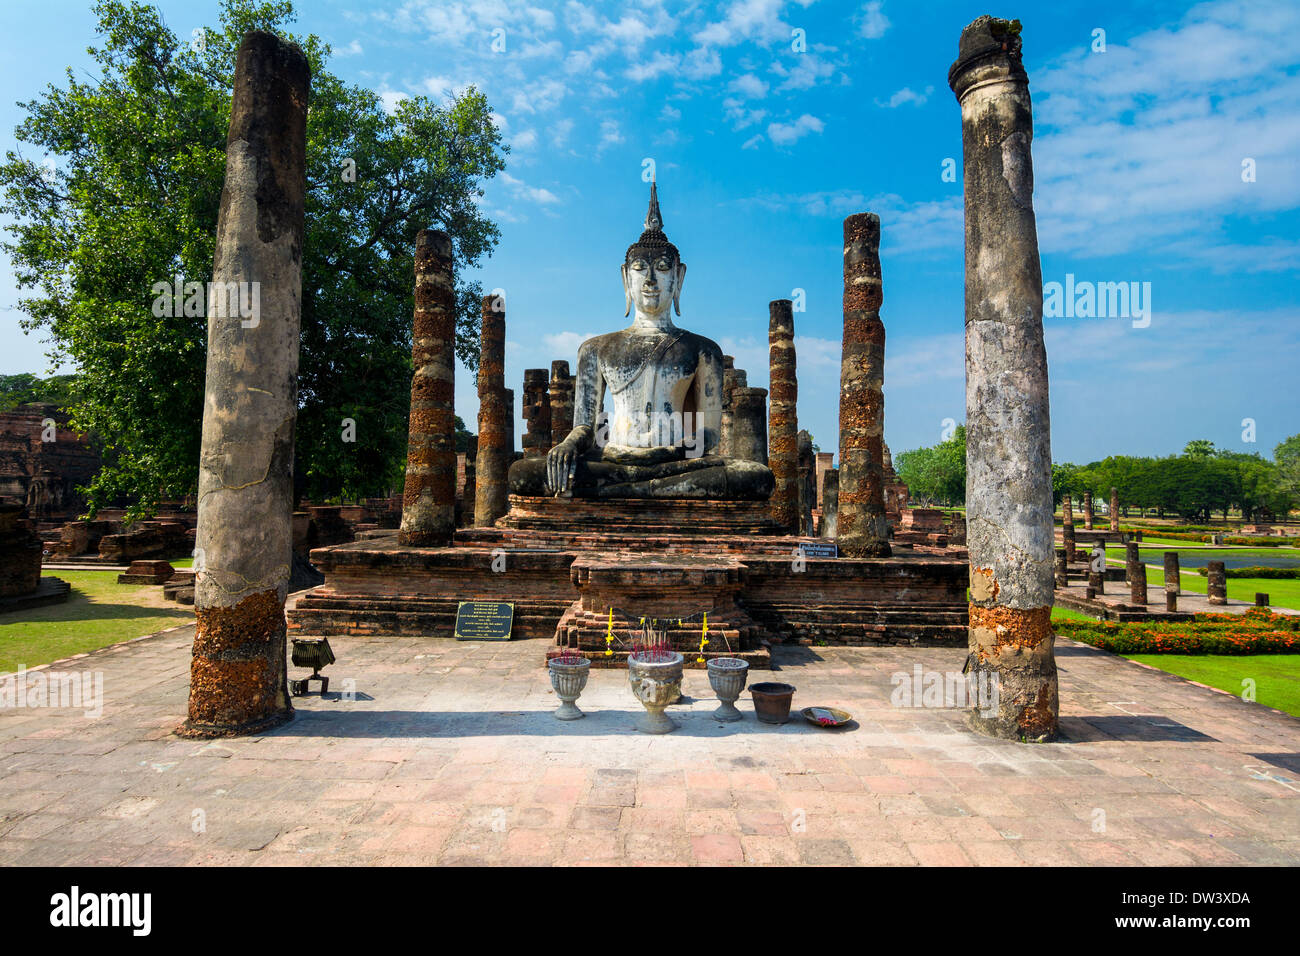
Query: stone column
[[1216, 587], [561, 402], [1008, 449], [863, 527], [537, 413], [825, 462], [1061, 569], [1067, 527], [1114, 509], [749, 424], [244, 535], [1173, 582], [1087, 510], [471, 481], [732, 379], [1097, 582], [1136, 573], [429, 502], [492, 462], [831, 503], [510, 427], [782, 423], [807, 481]]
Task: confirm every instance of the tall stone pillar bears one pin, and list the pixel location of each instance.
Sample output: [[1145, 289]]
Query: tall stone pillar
[[749, 424], [1067, 527], [429, 502], [1060, 569], [244, 537], [807, 482], [1087, 510], [1216, 583], [1173, 581], [783, 423], [561, 389], [830, 503], [1008, 450], [863, 527], [492, 462], [732, 379], [825, 462], [537, 413], [471, 482], [510, 428], [1136, 573], [1114, 509]]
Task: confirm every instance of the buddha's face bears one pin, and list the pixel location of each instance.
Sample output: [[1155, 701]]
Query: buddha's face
[[652, 282]]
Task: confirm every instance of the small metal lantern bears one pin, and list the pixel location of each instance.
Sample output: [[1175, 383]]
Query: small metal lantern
[[313, 652]]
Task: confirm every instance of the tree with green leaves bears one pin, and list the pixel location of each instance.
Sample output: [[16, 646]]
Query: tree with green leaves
[[936, 475], [131, 201], [23, 388]]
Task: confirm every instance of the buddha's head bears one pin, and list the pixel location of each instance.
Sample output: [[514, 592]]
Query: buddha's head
[[653, 270]]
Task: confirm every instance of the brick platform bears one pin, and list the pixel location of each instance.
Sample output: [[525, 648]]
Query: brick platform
[[375, 587]]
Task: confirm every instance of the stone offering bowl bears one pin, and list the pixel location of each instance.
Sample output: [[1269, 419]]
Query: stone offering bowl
[[727, 676], [656, 684], [568, 677]]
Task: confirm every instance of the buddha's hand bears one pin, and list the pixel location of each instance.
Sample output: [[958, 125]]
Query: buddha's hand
[[561, 464]]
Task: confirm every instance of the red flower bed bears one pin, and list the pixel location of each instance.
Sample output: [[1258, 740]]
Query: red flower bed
[[1258, 631]]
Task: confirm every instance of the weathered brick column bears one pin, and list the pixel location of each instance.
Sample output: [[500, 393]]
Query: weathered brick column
[[807, 481], [863, 527], [749, 424], [732, 379], [783, 423], [561, 389], [537, 413], [1114, 509], [1060, 570], [492, 462], [244, 536], [1136, 573], [1009, 526], [1216, 583], [1087, 510], [510, 428], [471, 482], [830, 503], [1067, 527], [429, 501], [1173, 581]]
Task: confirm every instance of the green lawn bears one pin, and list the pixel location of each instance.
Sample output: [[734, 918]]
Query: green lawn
[[1276, 676], [98, 613]]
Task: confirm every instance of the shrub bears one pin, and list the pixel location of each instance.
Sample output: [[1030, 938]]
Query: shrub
[[1254, 572], [1258, 631]]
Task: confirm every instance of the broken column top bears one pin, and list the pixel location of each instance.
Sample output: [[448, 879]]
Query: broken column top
[[781, 315], [535, 376], [986, 38], [559, 369], [435, 241]]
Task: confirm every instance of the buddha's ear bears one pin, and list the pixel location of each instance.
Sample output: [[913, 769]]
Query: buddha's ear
[[677, 288], [627, 294]]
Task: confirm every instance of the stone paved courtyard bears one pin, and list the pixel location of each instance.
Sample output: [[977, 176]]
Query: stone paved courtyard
[[448, 754]]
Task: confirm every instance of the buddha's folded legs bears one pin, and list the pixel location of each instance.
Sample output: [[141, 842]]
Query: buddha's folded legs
[[708, 477]]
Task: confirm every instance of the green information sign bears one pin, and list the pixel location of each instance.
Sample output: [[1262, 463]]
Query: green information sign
[[484, 621]]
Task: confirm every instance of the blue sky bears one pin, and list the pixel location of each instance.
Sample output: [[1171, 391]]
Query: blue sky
[[761, 150]]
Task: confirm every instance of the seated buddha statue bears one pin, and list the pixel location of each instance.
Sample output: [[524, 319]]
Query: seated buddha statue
[[664, 385]]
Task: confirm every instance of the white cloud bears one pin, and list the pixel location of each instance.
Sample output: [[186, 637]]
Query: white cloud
[[352, 49], [525, 140], [752, 142], [670, 113], [748, 85], [565, 344], [610, 134], [390, 98], [1142, 146], [658, 64], [531, 193], [701, 63], [783, 134], [907, 95], [746, 20], [559, 131], [872, 22], [808, 71]]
